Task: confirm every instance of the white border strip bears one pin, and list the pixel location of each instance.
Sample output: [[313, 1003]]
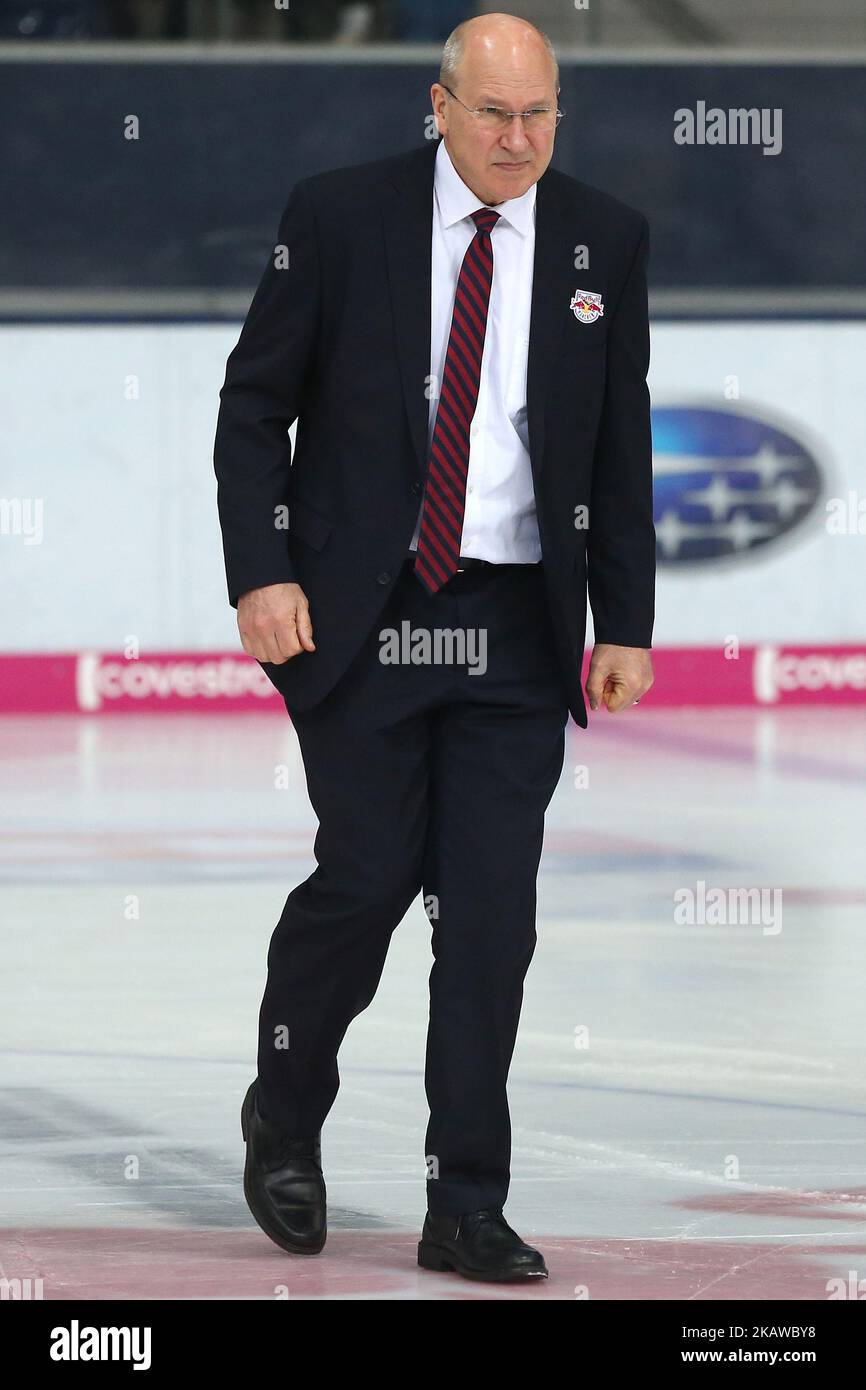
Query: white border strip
[[693, 303], [811, 301], [408, 54], [142, 304]]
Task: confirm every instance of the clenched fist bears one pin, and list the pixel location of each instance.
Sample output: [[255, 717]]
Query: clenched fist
[[618, 676], [274, 623]]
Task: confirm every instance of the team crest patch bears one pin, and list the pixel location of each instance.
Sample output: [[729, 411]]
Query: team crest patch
[[587, 306]]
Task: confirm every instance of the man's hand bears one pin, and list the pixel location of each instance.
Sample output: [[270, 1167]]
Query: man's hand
[[274, 623], [618, 676]]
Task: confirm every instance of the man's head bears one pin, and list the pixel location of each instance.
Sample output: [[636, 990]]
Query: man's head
[[497, 60]]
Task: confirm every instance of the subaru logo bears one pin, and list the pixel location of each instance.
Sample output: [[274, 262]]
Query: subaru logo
[[726, 483]]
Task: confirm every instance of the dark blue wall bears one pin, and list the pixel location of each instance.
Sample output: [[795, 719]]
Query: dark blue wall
[[195, 202]]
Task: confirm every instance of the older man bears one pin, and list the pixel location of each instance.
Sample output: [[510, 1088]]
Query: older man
[[461, 333]]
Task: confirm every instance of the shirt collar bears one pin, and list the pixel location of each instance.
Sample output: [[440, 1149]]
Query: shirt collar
[[456, 200]]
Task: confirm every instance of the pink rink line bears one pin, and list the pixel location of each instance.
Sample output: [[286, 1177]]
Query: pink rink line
[[136, 1263], [90, 682]]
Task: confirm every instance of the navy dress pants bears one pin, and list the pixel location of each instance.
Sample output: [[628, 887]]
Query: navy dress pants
[[430, 777]]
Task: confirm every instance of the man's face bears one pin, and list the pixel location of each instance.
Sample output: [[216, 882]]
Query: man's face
[[496, 164]]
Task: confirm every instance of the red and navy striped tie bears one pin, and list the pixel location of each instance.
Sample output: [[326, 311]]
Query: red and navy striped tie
[[445, 493]]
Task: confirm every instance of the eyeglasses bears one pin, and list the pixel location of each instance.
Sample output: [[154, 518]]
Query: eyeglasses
[[539, 118]]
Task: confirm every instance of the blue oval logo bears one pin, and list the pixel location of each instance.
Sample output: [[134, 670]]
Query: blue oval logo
[[726, 484]]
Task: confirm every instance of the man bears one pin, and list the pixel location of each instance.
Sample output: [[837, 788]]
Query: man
[[473, 449]]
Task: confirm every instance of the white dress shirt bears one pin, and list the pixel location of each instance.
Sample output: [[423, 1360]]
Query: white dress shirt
[[499, 519]]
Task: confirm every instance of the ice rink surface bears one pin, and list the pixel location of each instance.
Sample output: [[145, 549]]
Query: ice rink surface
[[688, 1099]]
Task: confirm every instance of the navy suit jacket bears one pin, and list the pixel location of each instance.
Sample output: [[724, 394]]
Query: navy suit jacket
[[340, 341]]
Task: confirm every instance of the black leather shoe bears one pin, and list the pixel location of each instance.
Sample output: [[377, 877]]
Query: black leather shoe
[[478, 1245], [283, 1183]]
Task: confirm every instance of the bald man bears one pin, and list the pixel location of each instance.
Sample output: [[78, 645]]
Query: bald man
[[461, 333]]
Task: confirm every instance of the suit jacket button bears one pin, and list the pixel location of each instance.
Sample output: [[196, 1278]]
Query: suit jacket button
[[416, 488], [383, 578]]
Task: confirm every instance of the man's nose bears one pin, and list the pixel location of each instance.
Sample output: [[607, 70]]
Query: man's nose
[[514, 135]]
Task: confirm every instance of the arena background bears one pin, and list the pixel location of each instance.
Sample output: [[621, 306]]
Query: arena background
[[126, 267]]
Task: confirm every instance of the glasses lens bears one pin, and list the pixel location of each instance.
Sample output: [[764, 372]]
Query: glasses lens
[[539, 120], [493, 118]]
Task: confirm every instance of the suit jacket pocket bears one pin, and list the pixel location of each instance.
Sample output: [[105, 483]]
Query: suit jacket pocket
[[307, 524]]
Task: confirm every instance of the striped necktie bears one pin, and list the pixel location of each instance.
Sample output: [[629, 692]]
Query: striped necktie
[[445, 493]]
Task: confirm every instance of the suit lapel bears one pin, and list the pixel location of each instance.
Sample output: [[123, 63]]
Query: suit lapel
[[552, 289], [408, 226], [408, 229]]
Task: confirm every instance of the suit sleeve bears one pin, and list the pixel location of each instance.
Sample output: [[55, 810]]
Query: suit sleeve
[[621, 542], [261, 397]]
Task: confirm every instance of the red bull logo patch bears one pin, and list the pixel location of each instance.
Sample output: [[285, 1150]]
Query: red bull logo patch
[[587, 307]]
